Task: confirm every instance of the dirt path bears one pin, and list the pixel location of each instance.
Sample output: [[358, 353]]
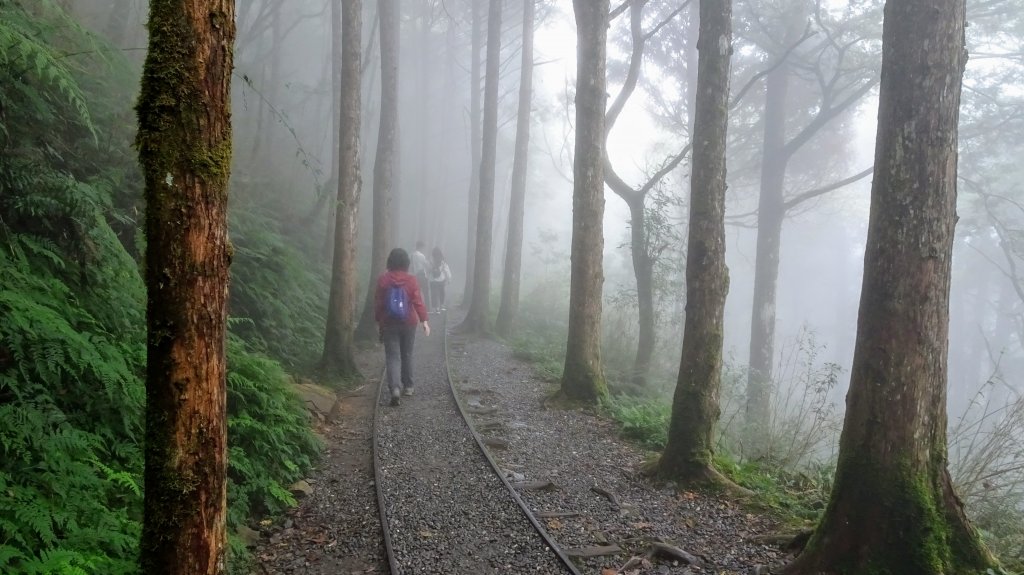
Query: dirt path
[[335, 530]]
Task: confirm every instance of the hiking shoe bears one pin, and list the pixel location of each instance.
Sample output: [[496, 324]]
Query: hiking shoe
[[408, 391]]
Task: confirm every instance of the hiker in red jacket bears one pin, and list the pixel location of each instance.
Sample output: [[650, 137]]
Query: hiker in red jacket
[[398, 308]]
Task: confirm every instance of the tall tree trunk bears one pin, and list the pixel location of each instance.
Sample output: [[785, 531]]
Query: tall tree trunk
[[583, 376], [643, 258], [643, 269], [509, 307], [893, 508], [338, 359], [384, 163], [336, 86], [695, 409], [184, 147], [770, 213], [425, 192], [476, 317], [474, 150]]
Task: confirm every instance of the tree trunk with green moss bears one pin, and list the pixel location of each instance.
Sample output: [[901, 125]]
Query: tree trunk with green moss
[[583, 377], [339, 340], [695, 409], [384, 162], [893, 509], [184, 144]]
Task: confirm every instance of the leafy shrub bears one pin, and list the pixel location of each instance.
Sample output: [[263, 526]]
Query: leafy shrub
[[280, 290], [986, 454], [270, 442]]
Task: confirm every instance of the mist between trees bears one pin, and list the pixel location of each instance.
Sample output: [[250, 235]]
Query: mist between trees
[[802, 120]]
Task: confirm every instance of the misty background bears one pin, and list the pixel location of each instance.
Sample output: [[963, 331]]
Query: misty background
[[284, 156]]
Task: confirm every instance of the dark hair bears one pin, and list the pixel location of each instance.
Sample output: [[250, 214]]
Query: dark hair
[[398, 260], [437, 255]]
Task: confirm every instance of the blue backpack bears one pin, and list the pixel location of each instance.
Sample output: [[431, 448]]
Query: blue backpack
[[397, 303]]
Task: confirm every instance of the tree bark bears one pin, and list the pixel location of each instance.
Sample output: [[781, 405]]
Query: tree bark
[[384, 162], [184, 145], [476, 317], [583, 377], [339, 339], [509, 307], [695, 408], [893, 508], [474, 150]]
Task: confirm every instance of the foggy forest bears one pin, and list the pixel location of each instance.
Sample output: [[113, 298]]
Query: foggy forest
[[512, 286]]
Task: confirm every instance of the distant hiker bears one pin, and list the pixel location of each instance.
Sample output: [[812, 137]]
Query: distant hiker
[[421, 267], [398, 309], [440, 276]]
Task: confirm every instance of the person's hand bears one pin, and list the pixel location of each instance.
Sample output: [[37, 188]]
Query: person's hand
[[426, 329]]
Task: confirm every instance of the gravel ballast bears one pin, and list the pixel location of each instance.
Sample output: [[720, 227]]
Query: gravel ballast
[[447, 510], [595, 498], [450, 514]]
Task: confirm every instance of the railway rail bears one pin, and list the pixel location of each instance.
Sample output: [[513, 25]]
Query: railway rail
[[445, 504]]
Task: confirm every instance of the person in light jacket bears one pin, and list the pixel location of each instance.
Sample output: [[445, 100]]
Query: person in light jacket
[[440, 276]]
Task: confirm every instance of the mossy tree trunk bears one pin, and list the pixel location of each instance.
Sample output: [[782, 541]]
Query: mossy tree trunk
[[384, 162], [479, 306], [695, 409], [474, 147], [583, 377], [893, 509], [509, 307], [339, 358], [184, 144]]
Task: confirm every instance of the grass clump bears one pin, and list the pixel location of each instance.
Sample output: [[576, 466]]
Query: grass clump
[[643, 420]]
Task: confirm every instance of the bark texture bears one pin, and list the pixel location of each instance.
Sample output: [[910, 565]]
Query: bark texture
[[583, 377], [893, 509], [476, 317], [184, 144], [339, 338], [695, 408], [509, 307], [384, 162]]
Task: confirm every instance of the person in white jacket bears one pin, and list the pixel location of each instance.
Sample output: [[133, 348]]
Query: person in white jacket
[[440, 276], [419, 266]]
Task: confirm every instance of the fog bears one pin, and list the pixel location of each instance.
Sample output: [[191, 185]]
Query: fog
[[284, 167]]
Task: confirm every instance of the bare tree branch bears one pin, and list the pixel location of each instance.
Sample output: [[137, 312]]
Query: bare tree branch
[[782, 60], [810, 194]]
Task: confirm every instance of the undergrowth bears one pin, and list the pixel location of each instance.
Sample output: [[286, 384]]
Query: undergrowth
[[793, 480], [72, 339]]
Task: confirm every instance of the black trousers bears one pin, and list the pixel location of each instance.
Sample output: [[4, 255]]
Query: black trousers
[[398, 344]]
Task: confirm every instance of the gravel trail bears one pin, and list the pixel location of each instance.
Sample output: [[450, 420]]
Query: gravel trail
[[450, 514], [447, 510], [572, 468]]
